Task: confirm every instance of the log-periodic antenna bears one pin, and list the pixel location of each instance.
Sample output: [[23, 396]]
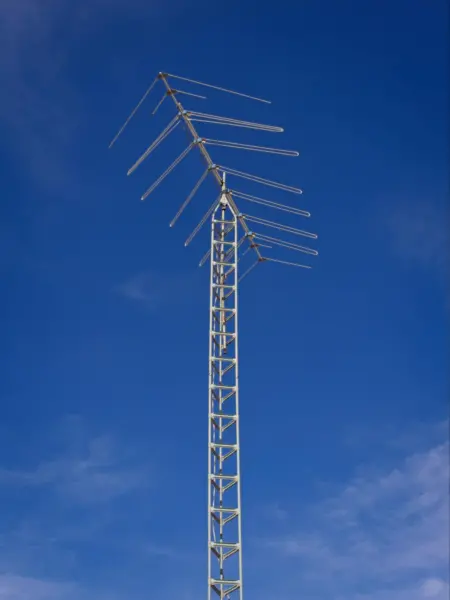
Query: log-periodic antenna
[[234, 235]]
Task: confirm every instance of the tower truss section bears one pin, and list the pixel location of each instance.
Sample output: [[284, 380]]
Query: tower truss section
[[224, 484]]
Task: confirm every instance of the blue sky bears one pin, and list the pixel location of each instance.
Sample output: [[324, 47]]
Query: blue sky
[[104, 312]]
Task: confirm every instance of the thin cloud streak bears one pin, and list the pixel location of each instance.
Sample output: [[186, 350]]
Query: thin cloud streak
[[388, 533], [14, 587], [80, 496], [152, 290], [96, 477], [142, 287]]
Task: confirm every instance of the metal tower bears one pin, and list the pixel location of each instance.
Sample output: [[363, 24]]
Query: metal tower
[[231, 240], [224, 493]]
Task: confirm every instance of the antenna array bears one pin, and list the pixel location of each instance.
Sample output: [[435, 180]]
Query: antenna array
[[232, 237]]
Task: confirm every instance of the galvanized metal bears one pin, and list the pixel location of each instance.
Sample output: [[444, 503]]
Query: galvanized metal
[[224, 484]]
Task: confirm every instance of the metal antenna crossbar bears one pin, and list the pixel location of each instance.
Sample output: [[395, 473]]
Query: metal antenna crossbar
[[231, 240]]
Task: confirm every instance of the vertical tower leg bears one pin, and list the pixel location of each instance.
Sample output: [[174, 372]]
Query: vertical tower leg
[[224, 486]]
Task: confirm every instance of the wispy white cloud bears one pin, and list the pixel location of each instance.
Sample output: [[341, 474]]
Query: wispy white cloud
[[418, 436], [79, 497], [151, 289], [142, 287], [14, 587], [434, 589], [381, 537], [96, 476]]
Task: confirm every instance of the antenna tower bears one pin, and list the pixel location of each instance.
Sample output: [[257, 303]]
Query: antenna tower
[[232, 239]]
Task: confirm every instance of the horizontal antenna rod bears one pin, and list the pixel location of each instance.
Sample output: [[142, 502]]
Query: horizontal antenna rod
[[232, 121], [285, 262], [271, 204], [215, 87], [280, 226], [230, 124], [261, 180], [238, 146], [189, 94], [287, 245]]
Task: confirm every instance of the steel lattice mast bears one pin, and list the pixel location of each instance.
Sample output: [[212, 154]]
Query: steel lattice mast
[[231, 239], [224, 488]]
